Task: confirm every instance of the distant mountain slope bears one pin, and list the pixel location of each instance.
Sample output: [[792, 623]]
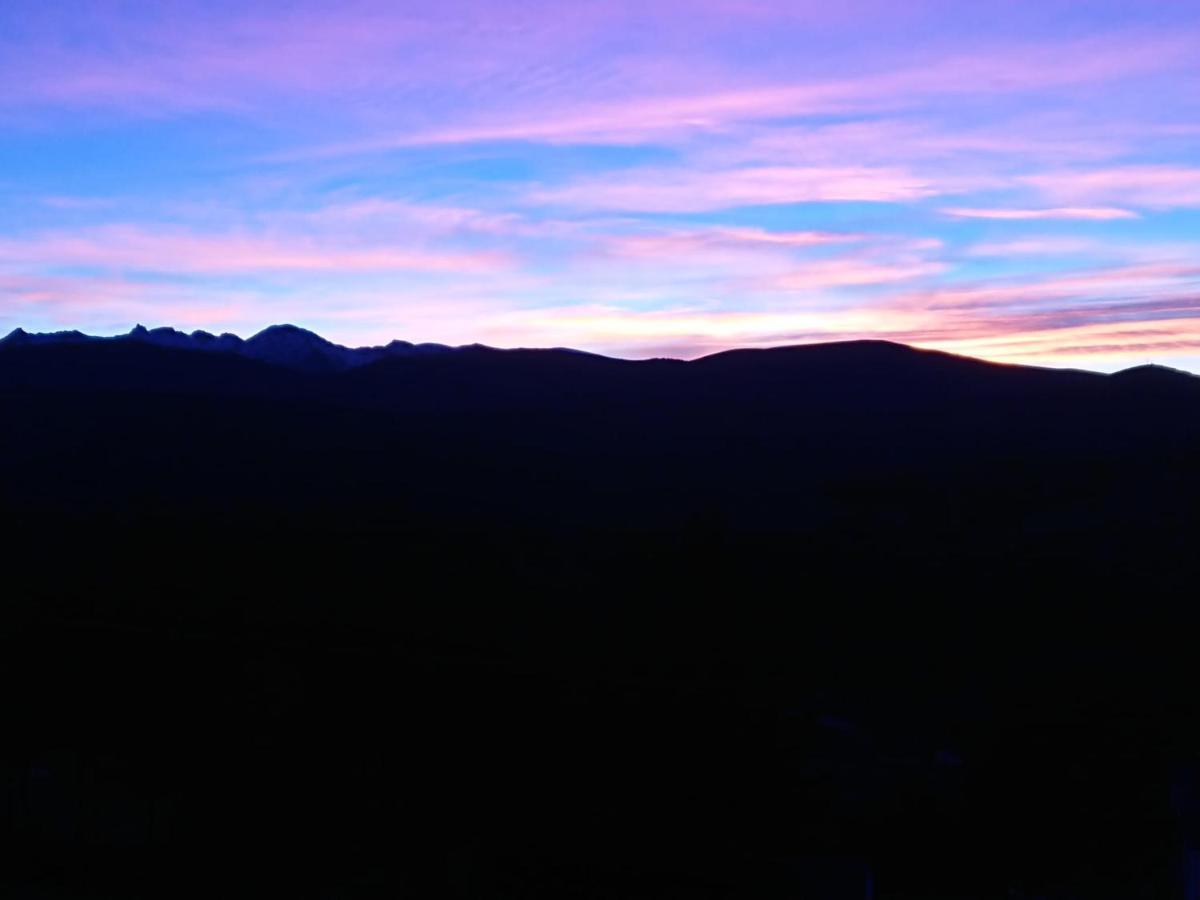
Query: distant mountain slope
[[284, 345], [297, 348], [753, 438]]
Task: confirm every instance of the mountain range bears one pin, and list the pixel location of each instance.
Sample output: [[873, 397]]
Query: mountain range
[[297, 348], [284, 345], [775, 439]]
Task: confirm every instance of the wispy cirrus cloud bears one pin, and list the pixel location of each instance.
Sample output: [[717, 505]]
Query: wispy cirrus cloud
[[687, 241], [851, 272], [138, 249], [1050, 319], [1024, 138], [681, 191], [184, 59], [249, 59], [1080, 213], [1137, 282], [689, 332], [754, 262], [657, 116], [1040, 245], [1153, 187], [362, 313], [111, 303]]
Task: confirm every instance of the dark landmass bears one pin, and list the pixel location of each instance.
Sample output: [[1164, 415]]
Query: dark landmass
[[842, 620]]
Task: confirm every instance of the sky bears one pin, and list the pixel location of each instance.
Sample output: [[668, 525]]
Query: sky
[[1012, 179]]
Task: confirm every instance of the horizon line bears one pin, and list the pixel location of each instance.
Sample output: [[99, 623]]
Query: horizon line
[[136, 333]]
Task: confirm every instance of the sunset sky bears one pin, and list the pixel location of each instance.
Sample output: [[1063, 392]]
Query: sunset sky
[[1012, 179]]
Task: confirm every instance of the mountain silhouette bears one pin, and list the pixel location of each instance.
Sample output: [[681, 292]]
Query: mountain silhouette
[[285, 345], [725, 431], [478, 622]]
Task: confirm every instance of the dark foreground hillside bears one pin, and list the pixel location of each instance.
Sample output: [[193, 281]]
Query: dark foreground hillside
[[849, 620]]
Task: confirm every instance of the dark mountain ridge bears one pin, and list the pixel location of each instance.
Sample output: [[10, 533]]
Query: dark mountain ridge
[[295, 347], [285, 345], [751, 438]]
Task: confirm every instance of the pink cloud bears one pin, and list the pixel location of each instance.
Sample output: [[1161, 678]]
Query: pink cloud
[[742, 264], [1154, 187], [850, 272], [430, 217], [673, 190], [181, 59], [371, 214], [1114, 249], [1124, 311], [138, 249], [1093, 213], [1087, 286], [691, 332], [1126, 348], [363, 314], [649, 114], [889, 140], [1039, 246], [110, 304], [186, 58], [691, 241], [1098, 344]]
